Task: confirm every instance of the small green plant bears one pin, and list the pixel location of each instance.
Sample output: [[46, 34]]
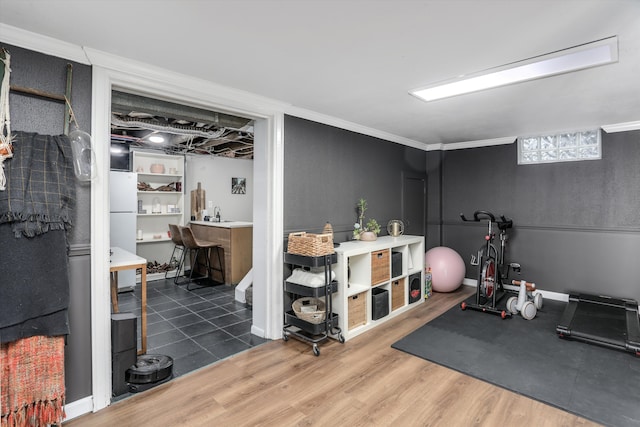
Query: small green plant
[[360, 226], [372, 225]]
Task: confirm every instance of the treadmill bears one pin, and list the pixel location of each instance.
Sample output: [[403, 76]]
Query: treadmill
[[605, 321]]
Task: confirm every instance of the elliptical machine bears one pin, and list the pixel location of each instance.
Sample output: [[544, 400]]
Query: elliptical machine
[[491, 268]]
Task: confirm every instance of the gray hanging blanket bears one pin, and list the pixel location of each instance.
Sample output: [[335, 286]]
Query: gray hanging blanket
[[35, 211], [40, 194], [34, 285]]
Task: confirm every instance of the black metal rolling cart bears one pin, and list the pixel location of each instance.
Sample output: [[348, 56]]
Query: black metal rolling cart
[[299, 328]]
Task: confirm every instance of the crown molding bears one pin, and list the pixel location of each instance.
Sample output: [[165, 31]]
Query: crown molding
[[354, 127], [435, 147], [621, 127], [43, 44], [479, 143]]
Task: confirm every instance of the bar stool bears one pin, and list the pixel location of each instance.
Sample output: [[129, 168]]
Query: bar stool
[[176, 238], [196, 245]]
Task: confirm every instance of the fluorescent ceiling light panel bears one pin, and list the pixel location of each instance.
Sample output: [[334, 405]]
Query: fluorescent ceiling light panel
[[588, 55]]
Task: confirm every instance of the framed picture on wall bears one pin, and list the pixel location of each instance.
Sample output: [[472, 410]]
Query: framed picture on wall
[[238, 185]]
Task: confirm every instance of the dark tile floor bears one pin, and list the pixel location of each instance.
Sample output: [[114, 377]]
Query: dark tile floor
[[195, 327]]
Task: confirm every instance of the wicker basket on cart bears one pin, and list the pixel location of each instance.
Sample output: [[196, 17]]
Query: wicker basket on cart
[[309, 244], [309, 309]]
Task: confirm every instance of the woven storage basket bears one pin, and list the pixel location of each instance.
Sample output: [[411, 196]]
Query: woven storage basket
[[380, 270], [314, 316], [308, 244], [357, 310]]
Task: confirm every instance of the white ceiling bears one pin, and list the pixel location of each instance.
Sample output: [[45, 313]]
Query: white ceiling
[[356, 60]]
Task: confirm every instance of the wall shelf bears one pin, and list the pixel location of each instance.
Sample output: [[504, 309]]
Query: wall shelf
[[162, 175], [178, 193], [157, 224]]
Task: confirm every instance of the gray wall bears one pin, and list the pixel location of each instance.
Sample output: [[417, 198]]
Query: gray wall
[[327, 170], [32, 114], [434, 199], [576, 224]]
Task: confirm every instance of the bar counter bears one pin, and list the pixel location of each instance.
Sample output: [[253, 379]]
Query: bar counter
[[236, 238]]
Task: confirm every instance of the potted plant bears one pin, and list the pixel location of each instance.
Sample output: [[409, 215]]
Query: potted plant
[[362, 230]]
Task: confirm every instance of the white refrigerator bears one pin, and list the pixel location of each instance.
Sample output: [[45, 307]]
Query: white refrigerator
[[123, 209]]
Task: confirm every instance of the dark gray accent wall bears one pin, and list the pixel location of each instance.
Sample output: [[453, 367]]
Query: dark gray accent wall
[[576, 224], [434, 198], [327, 170], [33, 114]]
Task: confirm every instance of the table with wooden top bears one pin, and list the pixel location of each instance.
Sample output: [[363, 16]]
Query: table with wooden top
[[123, 260]]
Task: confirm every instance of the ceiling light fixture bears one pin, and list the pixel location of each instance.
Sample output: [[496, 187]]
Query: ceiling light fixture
[[600, 52], [156, 138]]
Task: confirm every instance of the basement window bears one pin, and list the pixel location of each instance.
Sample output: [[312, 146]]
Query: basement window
[[561, 147]]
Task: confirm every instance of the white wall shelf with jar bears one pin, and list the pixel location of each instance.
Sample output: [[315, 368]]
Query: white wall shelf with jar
[[160, 203]]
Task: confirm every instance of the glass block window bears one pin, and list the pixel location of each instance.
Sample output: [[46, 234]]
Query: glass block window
[[562, 147]]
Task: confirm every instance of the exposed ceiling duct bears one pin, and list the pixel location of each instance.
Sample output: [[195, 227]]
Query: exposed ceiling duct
[[183, 129]]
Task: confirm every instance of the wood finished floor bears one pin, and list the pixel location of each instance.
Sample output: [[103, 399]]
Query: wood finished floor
[[363, 382]]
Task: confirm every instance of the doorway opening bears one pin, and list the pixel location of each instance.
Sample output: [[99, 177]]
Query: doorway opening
[[109, 75], [185, 146]]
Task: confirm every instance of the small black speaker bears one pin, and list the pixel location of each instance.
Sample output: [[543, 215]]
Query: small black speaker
[[124, 349], [123, 332]]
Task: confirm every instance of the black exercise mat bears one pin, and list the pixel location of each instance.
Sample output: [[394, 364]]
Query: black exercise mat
[[529, 358]]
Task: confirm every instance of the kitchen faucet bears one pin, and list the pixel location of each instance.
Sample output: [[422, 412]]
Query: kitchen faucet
[[216, 213]]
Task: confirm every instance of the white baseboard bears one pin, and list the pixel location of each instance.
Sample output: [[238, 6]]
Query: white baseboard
[[469, 282], [258, 331], [550, 295], [241, 288], [79, 407]]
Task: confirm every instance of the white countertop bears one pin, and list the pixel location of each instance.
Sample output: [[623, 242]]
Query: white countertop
[[224, 224], [382, 242], [121, 258]]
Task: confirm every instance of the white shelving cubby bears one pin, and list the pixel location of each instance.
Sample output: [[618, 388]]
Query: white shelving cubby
[[377, 281], [160, 203]]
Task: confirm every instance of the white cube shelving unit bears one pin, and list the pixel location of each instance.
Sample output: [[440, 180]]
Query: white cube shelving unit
[[363, 267]]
